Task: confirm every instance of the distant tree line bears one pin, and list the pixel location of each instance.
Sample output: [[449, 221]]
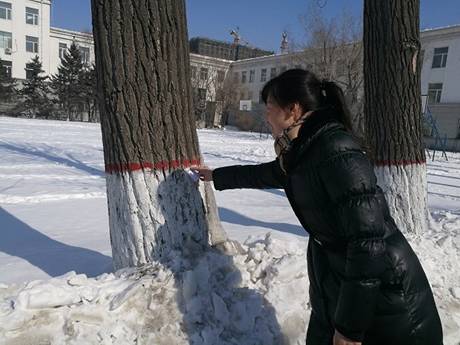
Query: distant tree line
[[70, 94]]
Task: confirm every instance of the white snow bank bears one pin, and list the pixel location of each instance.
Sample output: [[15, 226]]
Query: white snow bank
[[257, 296]]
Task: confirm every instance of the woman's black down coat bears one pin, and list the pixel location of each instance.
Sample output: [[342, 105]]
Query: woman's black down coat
[[365, 280]]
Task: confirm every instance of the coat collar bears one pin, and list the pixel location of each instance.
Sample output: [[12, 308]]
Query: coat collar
[[313, 126]]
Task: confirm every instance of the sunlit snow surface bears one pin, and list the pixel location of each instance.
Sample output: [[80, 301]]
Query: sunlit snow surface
[[53, 220]]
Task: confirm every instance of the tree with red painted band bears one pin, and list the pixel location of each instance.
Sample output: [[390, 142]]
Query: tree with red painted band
[[393, 117], [148, 131]]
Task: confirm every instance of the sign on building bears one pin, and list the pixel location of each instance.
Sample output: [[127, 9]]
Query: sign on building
[[246, 105]]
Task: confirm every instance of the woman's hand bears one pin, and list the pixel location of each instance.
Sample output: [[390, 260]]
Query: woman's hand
[[340, 339], [204, 172]]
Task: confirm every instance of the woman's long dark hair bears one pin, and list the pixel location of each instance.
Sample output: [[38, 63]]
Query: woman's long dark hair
[[303, 87]]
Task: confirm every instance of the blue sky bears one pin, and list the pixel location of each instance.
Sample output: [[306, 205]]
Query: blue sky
[[260, 21]]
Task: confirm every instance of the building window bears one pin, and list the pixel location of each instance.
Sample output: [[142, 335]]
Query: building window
[[7, 67], [5, 10], [235, 77], [84, 52], [263, 74], [32, 44], [440, 57], [193, 72], [202, 94], [220, 76], [252, 75], [203, 73], [434, 93], [31, 16], [243, 77], [6, 40], [272, 72], [29, 71], [242, 95], [250, 94], [62, 50]]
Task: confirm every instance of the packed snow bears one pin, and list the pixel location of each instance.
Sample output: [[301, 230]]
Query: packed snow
[[57, 285]]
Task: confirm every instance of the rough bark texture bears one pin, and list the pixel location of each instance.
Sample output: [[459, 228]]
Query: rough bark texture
[[393, 104], [148, 128], [141, 57]]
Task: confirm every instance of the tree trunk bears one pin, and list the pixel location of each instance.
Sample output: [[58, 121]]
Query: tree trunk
[[148, 131], [393, 107]]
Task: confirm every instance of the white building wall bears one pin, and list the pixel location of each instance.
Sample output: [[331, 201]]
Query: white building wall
[[20, 29], [213, 65], [449, 76], [49, 38], [68, 37], [251, 90]]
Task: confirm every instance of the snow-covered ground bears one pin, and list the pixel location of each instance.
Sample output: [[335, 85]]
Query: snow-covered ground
[[53, 220]]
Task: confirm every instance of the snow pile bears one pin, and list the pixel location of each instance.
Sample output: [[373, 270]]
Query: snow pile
[[439, 253], [256, 296]]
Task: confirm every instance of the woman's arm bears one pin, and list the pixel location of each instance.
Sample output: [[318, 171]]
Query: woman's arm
[[260, 176]]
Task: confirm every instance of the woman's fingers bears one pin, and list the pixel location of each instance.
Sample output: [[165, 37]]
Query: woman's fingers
[[204, 172]]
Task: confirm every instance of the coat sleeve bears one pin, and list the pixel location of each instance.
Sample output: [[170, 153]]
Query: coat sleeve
[[350, 183], [261, 176]]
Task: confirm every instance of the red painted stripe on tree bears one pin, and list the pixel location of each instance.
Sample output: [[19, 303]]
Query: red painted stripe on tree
[[399, 163], [164, 165]]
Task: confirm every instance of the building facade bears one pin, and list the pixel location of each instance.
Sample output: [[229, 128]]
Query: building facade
[[441, 81], [25, 32]]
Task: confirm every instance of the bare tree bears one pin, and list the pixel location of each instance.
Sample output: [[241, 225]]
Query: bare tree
[[148, 132], [393, 107], [334, 51]]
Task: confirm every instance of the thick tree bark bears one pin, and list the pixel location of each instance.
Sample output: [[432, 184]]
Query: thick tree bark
[[393, 107], [148, 130]]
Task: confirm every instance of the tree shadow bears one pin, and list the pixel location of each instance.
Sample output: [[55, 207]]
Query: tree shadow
[[233, 217], [43, 151], [216, 307], [51, 256]]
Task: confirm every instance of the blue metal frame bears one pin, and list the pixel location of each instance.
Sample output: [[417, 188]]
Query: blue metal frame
[[440, 144]]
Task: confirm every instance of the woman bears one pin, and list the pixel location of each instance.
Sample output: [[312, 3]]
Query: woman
[[366, 284]]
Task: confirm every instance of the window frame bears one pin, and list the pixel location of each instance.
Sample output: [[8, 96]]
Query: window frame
[[263, 75], [434, 93], [35, 44], [8, 37], [62, 50], [30, 14], [28, 70], [8, 67], [85, 53], [204, 73], [440, 57], [252, 75], [243, 77], [7, 7]]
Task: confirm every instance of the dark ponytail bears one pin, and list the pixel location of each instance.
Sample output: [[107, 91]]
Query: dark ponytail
[[334, 96], [303, 87]]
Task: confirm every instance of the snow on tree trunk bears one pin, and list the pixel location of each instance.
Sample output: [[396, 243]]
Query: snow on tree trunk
[[405, 190], [393, 107], [148, 131], [151, 213]]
